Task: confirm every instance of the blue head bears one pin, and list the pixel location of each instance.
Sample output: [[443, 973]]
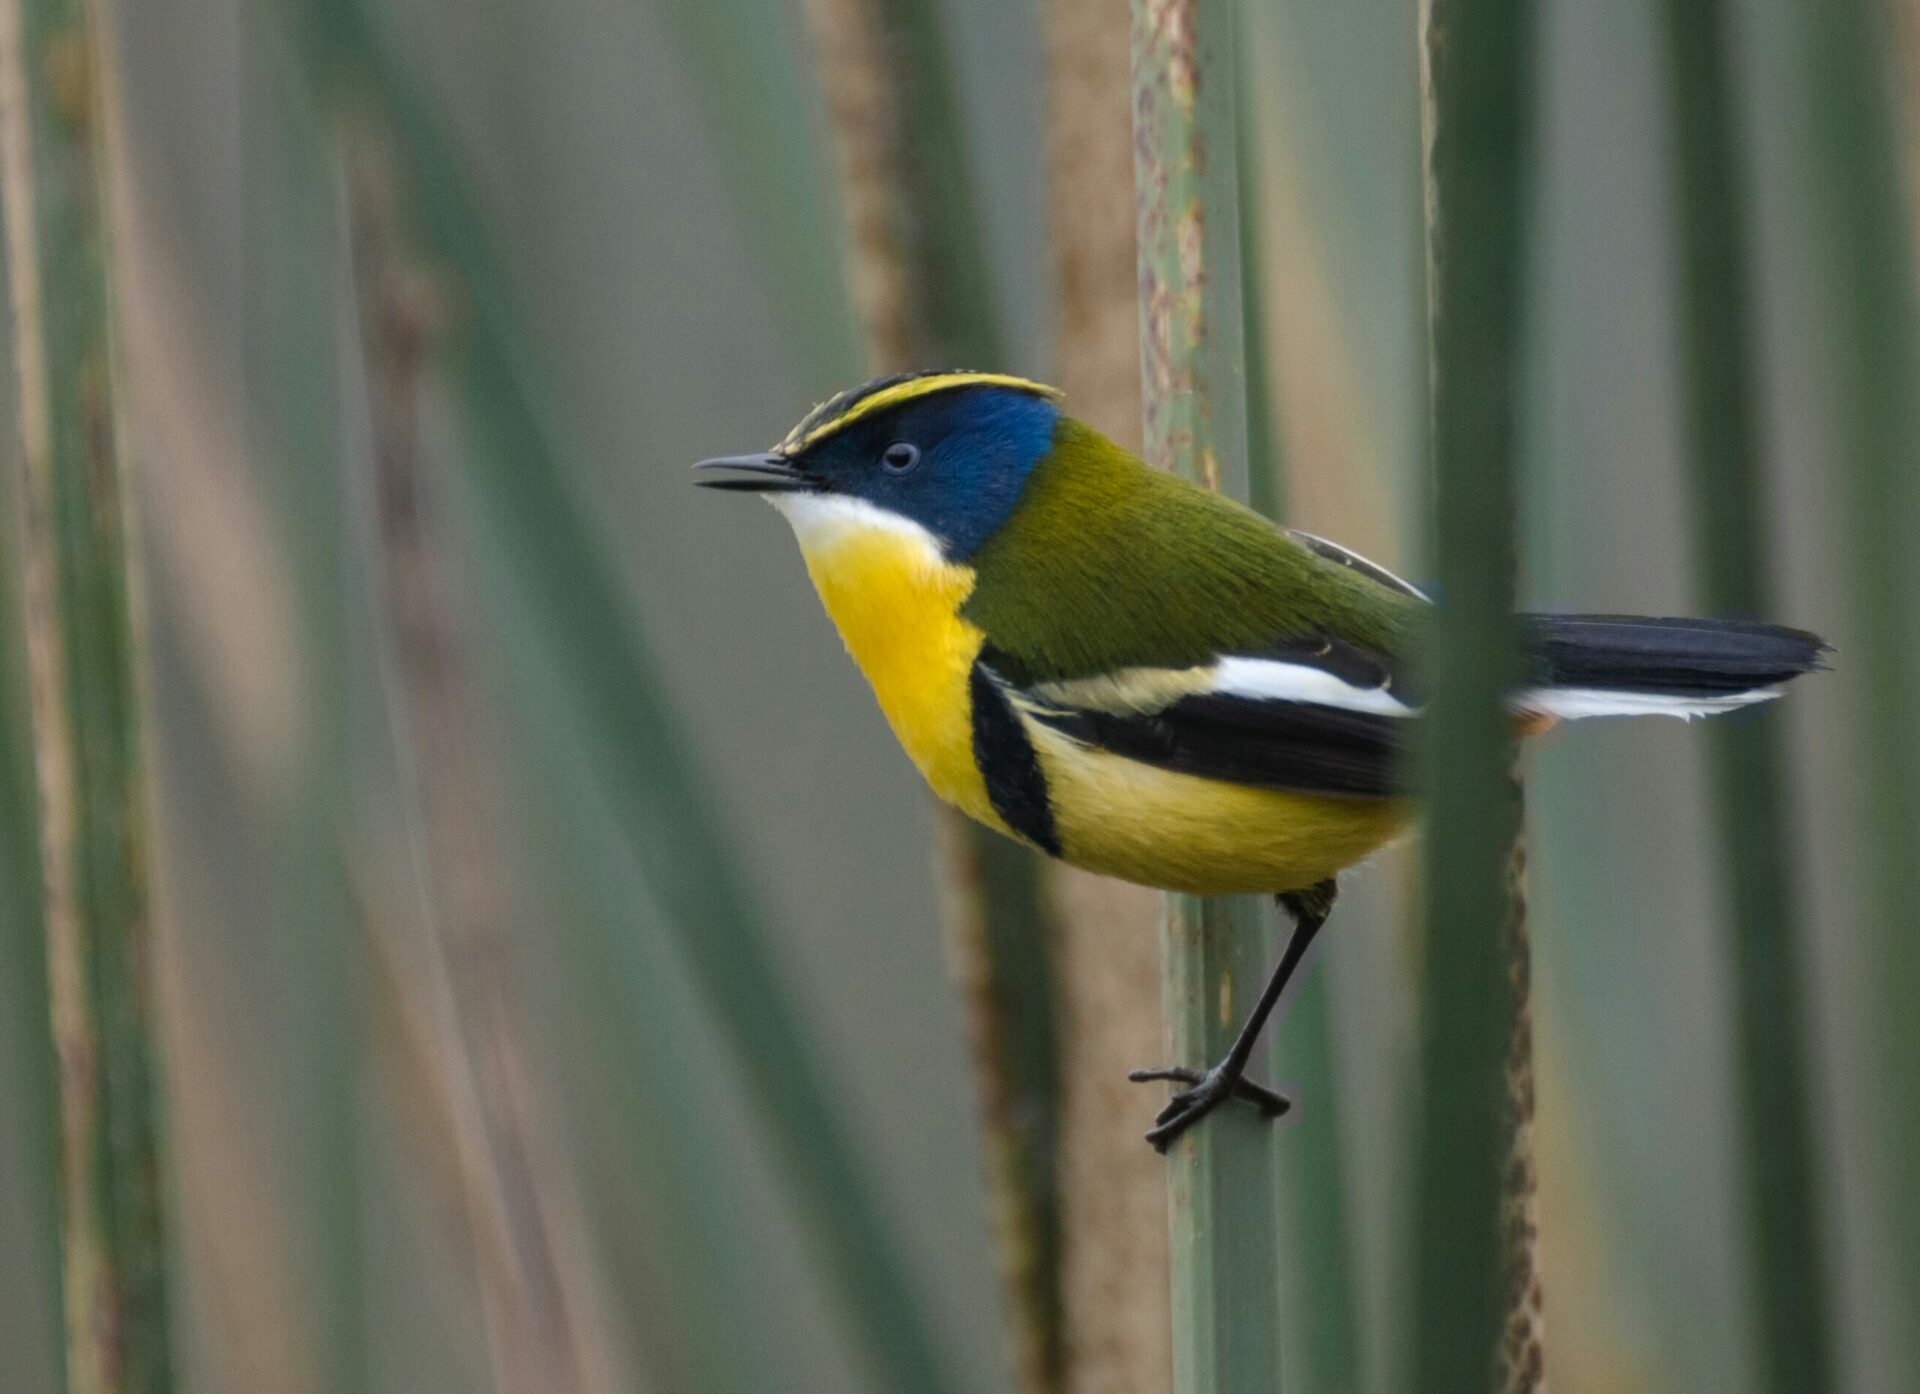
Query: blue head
[[950, 451]]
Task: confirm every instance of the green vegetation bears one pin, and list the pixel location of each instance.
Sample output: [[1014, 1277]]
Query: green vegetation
[[1220, 1190], [1866, 273], [1728, 501], [83, 658], [672, 830], [585, 1026], [920, 249], [1478, 59], [1318, 1323]]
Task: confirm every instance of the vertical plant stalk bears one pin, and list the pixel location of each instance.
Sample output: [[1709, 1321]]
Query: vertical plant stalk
[[1318, 1303], [1788, 1276], [291, 275], [1265, 468], [1523, 1355], [1003, 975], [1865, 257], [29, 1326], [82, 665], [533, 1330], [1473, 1247], [925, 298], [1113, 1191], [1225, 1264]]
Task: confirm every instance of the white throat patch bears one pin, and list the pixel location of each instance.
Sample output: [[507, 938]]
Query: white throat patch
[[822, 522]]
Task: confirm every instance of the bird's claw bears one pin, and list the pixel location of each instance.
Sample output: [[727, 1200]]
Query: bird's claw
[[1207, 1091]]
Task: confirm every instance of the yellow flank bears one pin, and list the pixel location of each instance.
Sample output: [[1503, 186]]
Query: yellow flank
[[896, 603], [1181, 832]]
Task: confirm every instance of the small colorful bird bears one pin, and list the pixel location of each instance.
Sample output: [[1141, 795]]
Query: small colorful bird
[[1147, 680]]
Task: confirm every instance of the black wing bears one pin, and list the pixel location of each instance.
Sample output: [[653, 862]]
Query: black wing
[[1349, 745], [1276, 745]]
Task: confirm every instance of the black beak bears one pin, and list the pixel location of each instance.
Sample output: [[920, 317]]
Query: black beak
[[771, 474]]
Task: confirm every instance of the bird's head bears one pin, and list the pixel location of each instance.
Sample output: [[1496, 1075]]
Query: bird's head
[[946, 451]]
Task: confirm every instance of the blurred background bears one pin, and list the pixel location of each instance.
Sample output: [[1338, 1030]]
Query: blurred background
[[549, 936]]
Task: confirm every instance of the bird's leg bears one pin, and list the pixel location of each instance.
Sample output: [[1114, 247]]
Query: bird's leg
[[1207, 1090]]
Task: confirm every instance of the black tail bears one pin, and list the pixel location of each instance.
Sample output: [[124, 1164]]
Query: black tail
[[1686, 666]]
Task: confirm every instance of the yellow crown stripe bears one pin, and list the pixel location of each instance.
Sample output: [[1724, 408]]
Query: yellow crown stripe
[[810, 432]]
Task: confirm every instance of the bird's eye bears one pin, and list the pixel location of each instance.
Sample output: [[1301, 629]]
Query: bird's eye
[[900, 457]]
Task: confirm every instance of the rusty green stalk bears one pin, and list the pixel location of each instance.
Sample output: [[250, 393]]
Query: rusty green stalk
[[82, 663], [1468, 1278], [1220, 1176]]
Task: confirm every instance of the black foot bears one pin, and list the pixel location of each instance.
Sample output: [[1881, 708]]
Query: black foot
[[1208, 1092]]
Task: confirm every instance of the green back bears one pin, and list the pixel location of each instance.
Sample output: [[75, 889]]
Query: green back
[[1109, 564]]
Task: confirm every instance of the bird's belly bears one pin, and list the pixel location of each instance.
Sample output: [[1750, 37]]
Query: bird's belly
[[896, 602], [1184, 833]]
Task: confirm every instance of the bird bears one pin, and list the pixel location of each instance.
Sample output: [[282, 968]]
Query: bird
[[1140, 677]]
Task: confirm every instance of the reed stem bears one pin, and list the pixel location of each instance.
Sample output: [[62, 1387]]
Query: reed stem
[[926, 298], [1114, 1291], [83, 664], [1751, 788], [1475, 1312], [534, 1331], [1865, 258], [1225, 1254], [30, 1291]]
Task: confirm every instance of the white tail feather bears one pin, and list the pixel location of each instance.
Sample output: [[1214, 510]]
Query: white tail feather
[[1571, 703]]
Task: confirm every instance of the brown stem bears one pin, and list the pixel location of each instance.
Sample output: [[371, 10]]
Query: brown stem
[[918, 274], [1114, 1289], [1016, 1109], [1522, 1348]]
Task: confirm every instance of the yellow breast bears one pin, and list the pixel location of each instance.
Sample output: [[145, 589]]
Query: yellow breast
[[896, 602]]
